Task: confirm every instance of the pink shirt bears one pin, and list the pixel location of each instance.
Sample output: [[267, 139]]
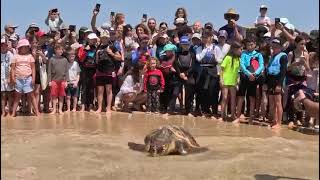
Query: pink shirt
[[23, 65]]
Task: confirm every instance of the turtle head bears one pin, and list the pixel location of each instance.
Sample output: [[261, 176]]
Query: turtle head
[[158, 150]]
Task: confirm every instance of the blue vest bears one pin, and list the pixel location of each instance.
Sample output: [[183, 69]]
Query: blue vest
[[274, 64]]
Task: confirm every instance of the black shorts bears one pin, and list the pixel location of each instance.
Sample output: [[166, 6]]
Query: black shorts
[[104, 80], [37, 80], [247, 86], [272, 83]]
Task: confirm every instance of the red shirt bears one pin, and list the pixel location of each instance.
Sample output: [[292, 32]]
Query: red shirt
[[153, 80]]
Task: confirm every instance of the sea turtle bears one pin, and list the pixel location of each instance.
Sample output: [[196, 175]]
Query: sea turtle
[[169, 139]]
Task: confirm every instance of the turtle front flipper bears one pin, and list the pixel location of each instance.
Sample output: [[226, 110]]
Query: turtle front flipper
[[147, 147], [180, 147]]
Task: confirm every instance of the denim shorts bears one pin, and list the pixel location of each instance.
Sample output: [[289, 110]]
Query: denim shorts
[[24, 85], [72, 91]]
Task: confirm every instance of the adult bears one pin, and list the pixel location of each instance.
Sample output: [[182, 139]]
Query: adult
[[196, 28], [54, 20], [207, 80], [235, 32], [10, 31], [131, 90], [222, 46], [88, 65], [276, 71], [181, 13], [152, 24], [263, 19], [142, 29]]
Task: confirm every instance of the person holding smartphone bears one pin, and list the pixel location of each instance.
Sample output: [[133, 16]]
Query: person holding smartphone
[[54, 20], [235, 32]]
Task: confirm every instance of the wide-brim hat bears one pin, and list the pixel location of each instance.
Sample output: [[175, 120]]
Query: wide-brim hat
[[233, 12]]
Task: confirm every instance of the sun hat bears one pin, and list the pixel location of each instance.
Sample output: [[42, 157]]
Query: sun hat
[[223, 33], [184, 40], [196, 35], [23, 42], [92, 36], [231, 11]]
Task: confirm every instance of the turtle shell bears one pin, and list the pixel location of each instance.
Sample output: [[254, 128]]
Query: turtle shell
[[164, 139]]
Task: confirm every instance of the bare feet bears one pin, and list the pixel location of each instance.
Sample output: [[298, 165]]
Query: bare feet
[[68, 110], [60, 112], [53, 111], [4, 114], [276, 126], [236, 121], [108, 111], [220, 119], [74, 110], [97, 111]]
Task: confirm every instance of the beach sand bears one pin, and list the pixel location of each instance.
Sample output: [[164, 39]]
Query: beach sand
[[86, 146]]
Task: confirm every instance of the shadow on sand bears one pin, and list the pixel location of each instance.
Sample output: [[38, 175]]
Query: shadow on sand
[[140, 147], [271, 177]]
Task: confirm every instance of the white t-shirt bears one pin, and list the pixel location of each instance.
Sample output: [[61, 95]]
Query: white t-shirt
[[223, 52], [263, 20], [74, 71], [5, 64]]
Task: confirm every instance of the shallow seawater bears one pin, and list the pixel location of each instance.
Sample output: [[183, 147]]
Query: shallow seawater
[[90, 146]]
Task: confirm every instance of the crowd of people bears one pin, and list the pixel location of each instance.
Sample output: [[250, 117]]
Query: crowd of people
[[227, 74]]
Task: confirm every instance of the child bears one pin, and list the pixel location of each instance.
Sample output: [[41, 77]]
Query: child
[[229, 75], [153, 85], [72, 89], [54, 20], [23, 74], [6, 88], [263, 20], [252, 66], [58, 73]]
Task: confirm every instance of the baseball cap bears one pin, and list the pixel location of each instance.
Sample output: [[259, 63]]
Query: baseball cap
[[208, 25], [169, 47], [223, 33], [40, 34], [10, 26], [105, 33], [33, 25], [184, 40], [196, 35], [276, 41], [105, 26], [92, 36], [263, 7], [87, 31]]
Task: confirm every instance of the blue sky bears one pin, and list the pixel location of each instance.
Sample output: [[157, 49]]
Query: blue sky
[[303, 14]]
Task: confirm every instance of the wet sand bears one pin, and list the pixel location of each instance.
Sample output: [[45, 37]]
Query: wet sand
[[86, 146]]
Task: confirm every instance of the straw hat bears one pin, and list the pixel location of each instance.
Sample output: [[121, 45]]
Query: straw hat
[[233, 12]]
